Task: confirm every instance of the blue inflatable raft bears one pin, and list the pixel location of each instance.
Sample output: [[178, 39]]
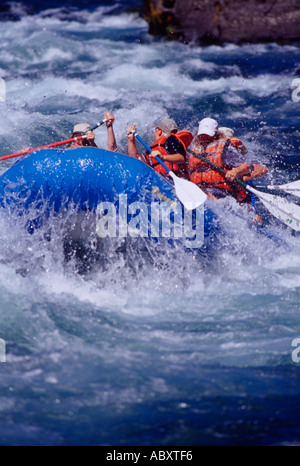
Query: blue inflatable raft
[[122, 195]]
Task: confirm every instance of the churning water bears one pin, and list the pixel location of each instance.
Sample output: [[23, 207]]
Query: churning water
[[148, 347]]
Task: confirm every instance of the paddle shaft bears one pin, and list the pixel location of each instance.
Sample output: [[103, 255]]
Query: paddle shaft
[[150, 150], [54, 144], [100, 123], [221, 170], [47, 146], [290, 188]]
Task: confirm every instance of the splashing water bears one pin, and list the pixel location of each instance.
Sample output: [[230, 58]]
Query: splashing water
[[134, 344]]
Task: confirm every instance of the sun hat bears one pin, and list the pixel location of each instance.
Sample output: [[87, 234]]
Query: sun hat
[[81, 128], [207, 126], [167, 125], [228, 132]]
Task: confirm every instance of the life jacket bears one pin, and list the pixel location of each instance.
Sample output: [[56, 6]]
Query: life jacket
[[202, 173], [181, 170], [238, 145]]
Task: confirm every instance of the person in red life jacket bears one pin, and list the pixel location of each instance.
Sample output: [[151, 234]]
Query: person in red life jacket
[[84, 128], [169, 145], [257, 169], [214, 148]]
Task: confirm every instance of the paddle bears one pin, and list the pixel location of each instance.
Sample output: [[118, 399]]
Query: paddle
[[53, 144], [284, 210], [47, 146], [189, 194], [290, 188], [100, 123]]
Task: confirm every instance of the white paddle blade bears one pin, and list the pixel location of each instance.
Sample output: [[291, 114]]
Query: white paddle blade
[[291, 188], [284, 210], [189, 194]]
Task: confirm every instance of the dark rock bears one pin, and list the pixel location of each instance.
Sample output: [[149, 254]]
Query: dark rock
[[237, 21]]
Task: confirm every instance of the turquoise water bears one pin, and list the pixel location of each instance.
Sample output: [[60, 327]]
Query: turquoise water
[[175, 349]]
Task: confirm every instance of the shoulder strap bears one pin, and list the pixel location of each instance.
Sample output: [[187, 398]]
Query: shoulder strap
[[185, 137], [159, 142]]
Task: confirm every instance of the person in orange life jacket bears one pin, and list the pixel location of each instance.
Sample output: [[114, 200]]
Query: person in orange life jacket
[[169, 145], [208, 144], [257, 169], [83, 128]]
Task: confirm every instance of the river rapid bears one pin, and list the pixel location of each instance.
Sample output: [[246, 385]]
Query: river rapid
[[179, 350]]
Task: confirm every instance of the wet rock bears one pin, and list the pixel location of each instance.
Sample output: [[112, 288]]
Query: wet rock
[[217, 22]]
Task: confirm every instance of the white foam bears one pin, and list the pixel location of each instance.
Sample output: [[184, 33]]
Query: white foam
[[71, 68]]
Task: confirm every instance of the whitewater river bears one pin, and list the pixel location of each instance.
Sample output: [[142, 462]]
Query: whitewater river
[[179, 350]]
